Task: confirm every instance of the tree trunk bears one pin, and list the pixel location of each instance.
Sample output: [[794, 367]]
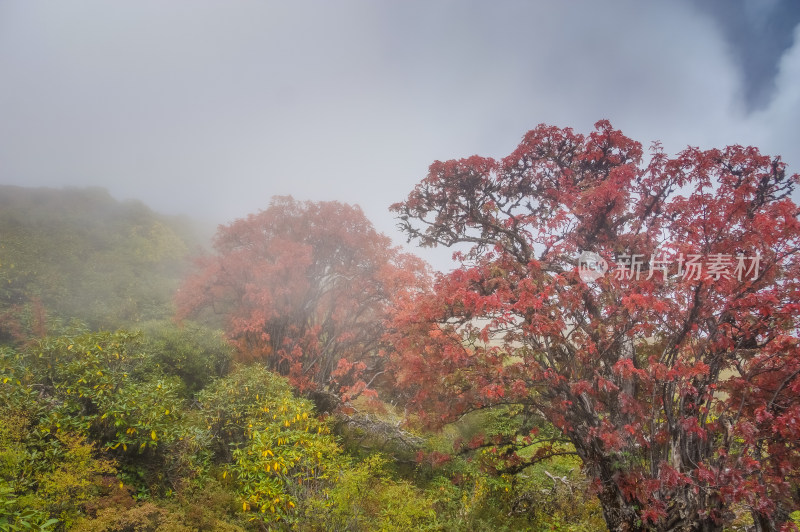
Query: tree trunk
[[764, 523], [620, 516], [682, 515]]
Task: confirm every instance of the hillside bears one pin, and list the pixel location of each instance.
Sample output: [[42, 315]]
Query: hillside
[[84, 255]]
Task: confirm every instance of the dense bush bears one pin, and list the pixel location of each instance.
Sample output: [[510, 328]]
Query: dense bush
[[81, 414], [190, 351], [365, 496], [280, 452], [147, 431]]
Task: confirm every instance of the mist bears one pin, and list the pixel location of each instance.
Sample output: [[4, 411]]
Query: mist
[[209, 109]]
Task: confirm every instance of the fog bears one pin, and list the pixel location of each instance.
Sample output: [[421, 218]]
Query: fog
[[209, 108]]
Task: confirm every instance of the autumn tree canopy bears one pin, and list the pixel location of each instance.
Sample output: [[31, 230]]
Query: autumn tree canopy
[[668, 357], [304, 287]]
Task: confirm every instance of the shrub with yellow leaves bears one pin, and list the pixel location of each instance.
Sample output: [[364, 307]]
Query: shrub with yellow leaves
[[280, 449]]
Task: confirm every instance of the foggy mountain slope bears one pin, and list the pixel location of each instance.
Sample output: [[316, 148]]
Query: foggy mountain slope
[[85, 255]]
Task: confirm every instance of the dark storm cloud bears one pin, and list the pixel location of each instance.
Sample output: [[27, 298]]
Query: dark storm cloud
[[210, 107], [758, 32]]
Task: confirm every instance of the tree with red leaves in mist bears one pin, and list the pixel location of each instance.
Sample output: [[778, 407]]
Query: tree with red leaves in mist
[[675, 376], [304, 288]]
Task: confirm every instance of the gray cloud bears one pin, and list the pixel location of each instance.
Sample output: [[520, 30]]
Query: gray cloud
[[210, 108], [758, 33]]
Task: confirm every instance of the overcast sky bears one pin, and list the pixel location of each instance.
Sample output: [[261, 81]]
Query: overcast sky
[[209, 108]]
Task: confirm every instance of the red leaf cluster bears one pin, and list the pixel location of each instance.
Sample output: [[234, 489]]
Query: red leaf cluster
[[679, 392], [305, 288]]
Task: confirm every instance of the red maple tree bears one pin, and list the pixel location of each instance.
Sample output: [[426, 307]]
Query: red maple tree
[[675, 376], [304, 288]]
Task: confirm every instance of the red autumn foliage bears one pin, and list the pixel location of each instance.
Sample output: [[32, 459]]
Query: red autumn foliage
[[677, 386], [305, 288]]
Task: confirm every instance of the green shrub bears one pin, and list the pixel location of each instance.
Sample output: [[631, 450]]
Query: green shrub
[[279, 451], [16, 514], [75, 479], [190, 351], [365, 497], [250, 394]]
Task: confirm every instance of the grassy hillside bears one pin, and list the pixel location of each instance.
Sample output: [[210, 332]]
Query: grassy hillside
[[84, 255]]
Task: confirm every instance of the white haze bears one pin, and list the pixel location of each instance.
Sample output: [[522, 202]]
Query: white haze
[[209, 108]]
